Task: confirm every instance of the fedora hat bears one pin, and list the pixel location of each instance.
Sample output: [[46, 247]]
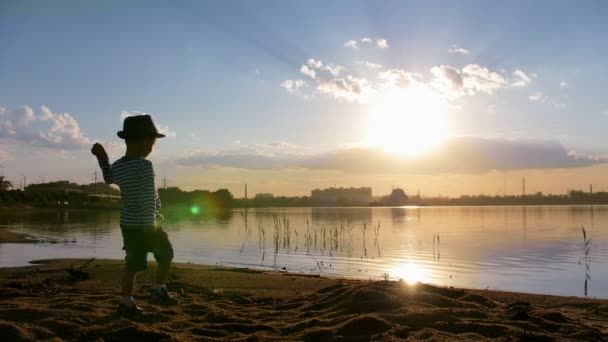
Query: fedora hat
[[139, 126]]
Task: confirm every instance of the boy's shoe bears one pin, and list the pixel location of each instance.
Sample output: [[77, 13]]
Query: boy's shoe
[[129, 310], [161, 296]]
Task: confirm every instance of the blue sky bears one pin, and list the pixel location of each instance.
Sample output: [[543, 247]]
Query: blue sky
[[212, 74]]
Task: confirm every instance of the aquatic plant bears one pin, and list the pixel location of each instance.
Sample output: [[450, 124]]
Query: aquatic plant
[[261, 235], [377, 231], [436, 247], [276, 236], [587, 258]]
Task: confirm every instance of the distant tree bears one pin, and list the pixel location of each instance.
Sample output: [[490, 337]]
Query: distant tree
[[5, 184]]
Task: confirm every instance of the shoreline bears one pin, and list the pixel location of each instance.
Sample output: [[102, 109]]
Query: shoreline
[[173, 208], [7, 236], [45, 301]]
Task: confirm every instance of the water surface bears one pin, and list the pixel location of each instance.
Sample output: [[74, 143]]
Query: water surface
[[538, 249]]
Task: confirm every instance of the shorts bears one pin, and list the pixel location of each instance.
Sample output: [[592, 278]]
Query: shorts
[[137, 242]]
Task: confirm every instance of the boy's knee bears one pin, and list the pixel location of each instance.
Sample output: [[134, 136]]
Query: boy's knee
[[163, 250], [135, 264], [165, 257]]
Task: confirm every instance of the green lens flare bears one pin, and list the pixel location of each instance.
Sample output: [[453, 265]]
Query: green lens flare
[[195, 209]]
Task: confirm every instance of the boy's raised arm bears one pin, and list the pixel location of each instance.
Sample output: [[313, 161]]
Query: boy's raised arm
[[104, 162]]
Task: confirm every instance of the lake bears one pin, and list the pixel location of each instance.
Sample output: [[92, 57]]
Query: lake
[[537, 249]]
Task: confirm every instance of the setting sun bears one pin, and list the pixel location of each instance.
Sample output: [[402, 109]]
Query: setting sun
[[408, 122]]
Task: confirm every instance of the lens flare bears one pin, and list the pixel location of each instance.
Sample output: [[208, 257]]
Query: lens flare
[[195, 210]]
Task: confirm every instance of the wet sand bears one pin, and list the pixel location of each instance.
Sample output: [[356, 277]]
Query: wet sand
[[51, 301], [7, 236]]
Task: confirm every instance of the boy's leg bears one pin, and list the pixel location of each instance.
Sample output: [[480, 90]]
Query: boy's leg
[[162, 272], [128, 282], [135, 250], [163, 253]]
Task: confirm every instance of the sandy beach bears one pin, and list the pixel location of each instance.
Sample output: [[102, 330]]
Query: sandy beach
[[56, 300], [7, 236]]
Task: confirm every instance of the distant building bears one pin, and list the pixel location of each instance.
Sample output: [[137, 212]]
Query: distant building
[[343, 195], [398, 197], [263, 196]]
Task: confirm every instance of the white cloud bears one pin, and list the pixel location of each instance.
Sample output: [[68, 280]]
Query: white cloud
[[351, 44], [126, 113], [18, 119], [563, 84], [278, 145], [2, 111], [164, 129], [382, 43], [350, 88], [314, 63], [492, 109], [537, 97], [307, 71], [354, 44], [398, 78], [50, 130], [458, 50], [258, 72], [123, 115], [293, 86], [335, 70], [522, 79], [477, 78], [449, 80], [369, 64]]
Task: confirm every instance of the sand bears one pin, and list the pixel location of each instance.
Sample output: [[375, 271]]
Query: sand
[[6, 236], [46, 302]]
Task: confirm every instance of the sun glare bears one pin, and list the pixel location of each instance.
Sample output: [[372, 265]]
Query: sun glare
[[408, 122], [412, 273]]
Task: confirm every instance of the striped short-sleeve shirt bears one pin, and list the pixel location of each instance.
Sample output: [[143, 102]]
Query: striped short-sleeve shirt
[[140, 201]]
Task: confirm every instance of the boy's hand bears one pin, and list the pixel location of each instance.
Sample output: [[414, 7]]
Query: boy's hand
[[99, 151]]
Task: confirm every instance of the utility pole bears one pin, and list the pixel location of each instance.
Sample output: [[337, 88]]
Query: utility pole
[[504, 185], [523, 186], [24, 183], [245, 191], [165, 182], [591, 189]]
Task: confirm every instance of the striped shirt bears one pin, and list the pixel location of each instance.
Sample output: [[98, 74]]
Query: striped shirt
[[140, 201]]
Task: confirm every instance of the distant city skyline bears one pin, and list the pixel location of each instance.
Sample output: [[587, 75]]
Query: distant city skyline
[[447, 97]]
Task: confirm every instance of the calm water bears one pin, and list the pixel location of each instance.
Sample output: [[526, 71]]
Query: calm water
[[529, 249]]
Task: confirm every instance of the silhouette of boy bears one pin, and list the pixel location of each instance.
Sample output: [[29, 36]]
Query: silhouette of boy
[[140, 218]]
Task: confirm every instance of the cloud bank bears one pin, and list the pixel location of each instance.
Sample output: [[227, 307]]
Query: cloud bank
[[462, 155]]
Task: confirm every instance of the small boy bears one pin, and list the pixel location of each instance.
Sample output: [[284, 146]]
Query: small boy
[[140, 219]]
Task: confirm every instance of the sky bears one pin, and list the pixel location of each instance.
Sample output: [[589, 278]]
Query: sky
[[445, 97]]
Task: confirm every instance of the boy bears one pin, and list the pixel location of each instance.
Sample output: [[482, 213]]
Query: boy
[[140, 220]]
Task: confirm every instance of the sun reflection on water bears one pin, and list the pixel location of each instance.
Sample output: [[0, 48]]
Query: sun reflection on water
[[411, 273]]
